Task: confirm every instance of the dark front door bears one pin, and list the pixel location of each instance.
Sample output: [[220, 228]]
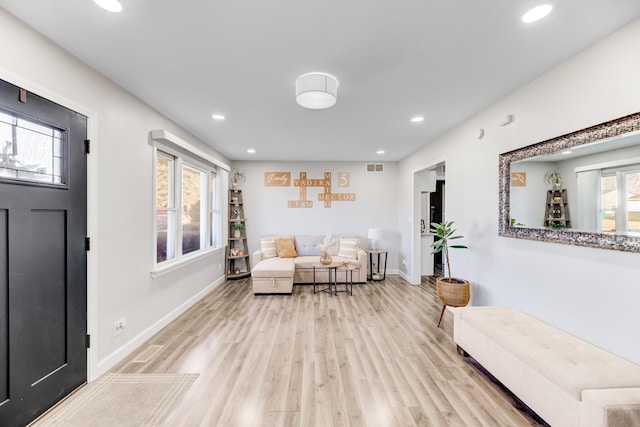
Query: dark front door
[[43, 287]]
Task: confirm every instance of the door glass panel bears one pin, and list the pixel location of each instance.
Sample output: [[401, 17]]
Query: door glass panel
[[31, 151]]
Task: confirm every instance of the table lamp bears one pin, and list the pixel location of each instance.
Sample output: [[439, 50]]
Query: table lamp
[[374, 235]]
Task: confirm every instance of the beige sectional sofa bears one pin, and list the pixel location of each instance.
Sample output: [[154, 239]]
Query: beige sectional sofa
[[564, 379], [277, 274]]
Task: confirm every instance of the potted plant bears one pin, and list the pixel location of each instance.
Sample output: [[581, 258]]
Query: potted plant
[[239, 228], [553, 178], [237, 177], [451, 291]]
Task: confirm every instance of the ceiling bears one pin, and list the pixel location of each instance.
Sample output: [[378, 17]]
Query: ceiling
[[443, 59]]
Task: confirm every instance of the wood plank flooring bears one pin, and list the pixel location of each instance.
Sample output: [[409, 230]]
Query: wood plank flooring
[[372, 359]]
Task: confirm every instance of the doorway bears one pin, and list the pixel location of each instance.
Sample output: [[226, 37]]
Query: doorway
[[43, 268], [428, 207]]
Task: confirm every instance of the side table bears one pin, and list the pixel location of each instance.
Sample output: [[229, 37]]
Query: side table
[[375, 275], [332, 270]]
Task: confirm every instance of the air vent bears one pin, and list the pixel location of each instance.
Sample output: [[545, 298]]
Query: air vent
[[375, 167]]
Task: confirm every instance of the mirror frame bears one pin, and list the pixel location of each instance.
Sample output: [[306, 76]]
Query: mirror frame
[[605, 130]]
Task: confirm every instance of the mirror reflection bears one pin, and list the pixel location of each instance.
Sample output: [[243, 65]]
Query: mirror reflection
[[581, 188], [592, 187]]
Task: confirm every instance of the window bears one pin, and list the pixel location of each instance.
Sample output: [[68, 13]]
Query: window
[[187, 218], [31, 151], [620, 200]]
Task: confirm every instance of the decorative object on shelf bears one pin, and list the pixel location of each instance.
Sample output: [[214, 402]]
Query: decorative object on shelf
[[374, 235], [237, 177], [451, 291], [325, 258], [316, 91], [553, 178], [239, 228]]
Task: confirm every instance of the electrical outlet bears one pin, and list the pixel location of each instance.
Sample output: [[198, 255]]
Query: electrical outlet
[[219, 267], [119, 325]]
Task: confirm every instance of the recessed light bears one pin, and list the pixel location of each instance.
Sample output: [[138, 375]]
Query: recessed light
[[417, 119], [251, 151], [565, 152], [217, 117], [537, 13], [380, 152], [110, 5]]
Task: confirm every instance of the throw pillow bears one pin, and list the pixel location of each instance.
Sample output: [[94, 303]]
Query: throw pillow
[[348, 248], [268, 247], [286, 247]]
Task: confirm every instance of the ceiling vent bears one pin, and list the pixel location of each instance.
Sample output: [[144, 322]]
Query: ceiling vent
[[375, 167]]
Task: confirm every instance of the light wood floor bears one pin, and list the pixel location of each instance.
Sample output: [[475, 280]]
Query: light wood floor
[[372, 359]]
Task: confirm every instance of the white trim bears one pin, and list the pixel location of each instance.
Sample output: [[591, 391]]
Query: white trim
[[169, 266], [164, 136], [92, 207], [112, 359]]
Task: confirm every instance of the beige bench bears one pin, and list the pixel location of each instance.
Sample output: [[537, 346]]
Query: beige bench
[[564, 379]]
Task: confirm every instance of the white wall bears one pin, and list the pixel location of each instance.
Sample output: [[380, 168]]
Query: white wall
[[590, 292], [120, 191], [268, 213]]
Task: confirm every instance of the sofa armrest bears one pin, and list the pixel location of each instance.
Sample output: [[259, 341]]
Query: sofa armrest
[[256, 257]]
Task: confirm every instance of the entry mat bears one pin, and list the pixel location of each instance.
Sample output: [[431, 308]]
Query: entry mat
[[121, 400]]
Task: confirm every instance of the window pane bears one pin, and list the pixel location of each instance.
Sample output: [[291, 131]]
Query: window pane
[[213, 225], [609, 203], [164, 166], [165, 247], [31, 151], [632, 182], [192, 195]]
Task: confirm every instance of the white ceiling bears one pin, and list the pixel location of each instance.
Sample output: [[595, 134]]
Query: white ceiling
[[444, 59]]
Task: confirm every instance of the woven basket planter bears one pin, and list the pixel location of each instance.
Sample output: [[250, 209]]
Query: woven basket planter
[[455, 294]]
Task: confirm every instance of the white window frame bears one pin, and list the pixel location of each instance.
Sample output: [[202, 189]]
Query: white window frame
[[194, 159], [622, 210]]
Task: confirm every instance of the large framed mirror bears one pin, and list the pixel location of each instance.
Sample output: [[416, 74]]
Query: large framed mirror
[[581, 189]]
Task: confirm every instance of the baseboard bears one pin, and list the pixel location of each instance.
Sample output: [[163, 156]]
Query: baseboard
[[118, 355], [404, 275]]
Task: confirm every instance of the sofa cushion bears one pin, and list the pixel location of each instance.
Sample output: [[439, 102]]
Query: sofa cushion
[[308, 245], [268, 246], [274, 267], [567, 361], [348, 248], [286, 247]]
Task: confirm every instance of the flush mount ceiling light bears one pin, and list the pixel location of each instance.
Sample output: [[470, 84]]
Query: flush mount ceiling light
[[380, 152], [217, 117], [251, 150], [417, 119], [537, 13], [110, 5], [316, 91]]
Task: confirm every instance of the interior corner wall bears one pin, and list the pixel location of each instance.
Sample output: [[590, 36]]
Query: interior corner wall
[[124, 214], [592, 293], [268, 214]]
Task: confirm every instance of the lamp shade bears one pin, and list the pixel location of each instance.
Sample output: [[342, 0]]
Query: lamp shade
[[375, 233], [316, 90]]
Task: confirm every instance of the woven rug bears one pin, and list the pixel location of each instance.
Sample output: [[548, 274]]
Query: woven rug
[[121, 400]]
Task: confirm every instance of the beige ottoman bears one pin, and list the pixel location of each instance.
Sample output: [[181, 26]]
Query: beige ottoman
[[273, 276]]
